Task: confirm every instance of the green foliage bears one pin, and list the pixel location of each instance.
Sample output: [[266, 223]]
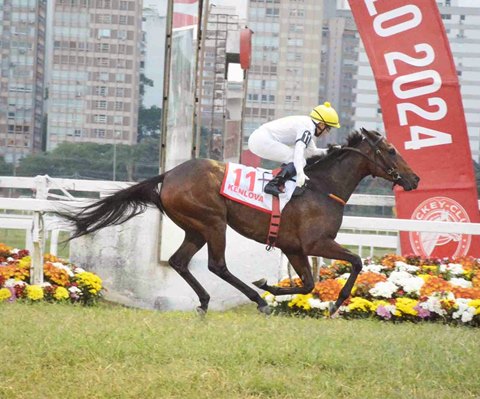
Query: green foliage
[[50, 350], [95, 161], [149, 123], [6, 168]]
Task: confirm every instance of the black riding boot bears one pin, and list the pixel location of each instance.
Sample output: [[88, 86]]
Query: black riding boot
[[276, 185]]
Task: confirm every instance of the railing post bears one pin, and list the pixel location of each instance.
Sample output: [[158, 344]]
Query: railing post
[[38, 233], [36, 267]]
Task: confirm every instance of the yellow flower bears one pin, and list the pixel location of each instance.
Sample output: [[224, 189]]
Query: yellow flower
[[475, 303], [25, 262], [406, 306], [4, 294], [425, 276], [301, 301], [90, 281], [61, 293], [361, 304], [34, 292], [376, 304]]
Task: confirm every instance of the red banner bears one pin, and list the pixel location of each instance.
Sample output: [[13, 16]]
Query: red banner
[[423, 115]]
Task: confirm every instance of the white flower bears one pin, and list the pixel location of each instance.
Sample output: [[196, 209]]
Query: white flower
[[10, 259], [434, 305], [399, 277], [404, 267], [45, 284], [10, 283], [318, 304], [74, 290], [63, 267], [413, 285], [383, 289], [461, 282], [373, 268], [454, 268], [79, 270], [464, 312], [270, 299], [283, 298]]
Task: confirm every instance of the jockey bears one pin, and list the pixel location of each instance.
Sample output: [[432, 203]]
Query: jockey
[[289, 141]]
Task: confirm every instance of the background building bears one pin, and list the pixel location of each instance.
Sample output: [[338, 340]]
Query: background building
[[218, 133], [154, 30], [94, 64], [338, 68], [284, 78], [22, 57]]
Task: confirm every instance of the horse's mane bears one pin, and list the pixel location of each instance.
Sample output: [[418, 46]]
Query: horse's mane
[[333, 152]]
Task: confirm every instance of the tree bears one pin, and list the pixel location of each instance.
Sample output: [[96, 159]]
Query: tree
[[95, 161], [149, 122], [6, 169]]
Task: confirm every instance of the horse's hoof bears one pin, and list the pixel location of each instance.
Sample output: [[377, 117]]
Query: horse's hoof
[[333, 310], [201, 312], [265, 309], [260, 283]]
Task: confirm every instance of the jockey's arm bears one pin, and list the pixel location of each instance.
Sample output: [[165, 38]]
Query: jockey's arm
[[299, 157]]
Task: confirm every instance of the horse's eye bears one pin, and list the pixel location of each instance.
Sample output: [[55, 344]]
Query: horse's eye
[[392, 151]]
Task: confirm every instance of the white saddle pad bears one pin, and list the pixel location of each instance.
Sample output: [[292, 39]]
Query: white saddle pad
[[245, 184]]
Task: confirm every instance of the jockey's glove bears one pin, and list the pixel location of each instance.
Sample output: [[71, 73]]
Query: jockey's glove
[[301, 178]]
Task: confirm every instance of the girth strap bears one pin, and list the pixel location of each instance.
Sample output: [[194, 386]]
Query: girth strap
[[274, 224]]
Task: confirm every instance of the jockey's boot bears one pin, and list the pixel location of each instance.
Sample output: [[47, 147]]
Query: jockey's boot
[[276, 186]]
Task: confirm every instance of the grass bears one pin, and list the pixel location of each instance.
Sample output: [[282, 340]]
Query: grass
[[53, 351]]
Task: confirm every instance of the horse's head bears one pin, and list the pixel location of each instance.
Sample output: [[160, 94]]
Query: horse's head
[[386, 161]]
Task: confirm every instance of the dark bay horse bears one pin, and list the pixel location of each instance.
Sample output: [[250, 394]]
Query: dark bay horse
[[189, 195]]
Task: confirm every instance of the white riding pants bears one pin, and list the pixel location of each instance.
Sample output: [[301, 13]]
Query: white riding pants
[[262, 143]]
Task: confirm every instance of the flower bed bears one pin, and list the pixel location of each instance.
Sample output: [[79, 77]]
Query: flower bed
[[63, 280], [394, 288]]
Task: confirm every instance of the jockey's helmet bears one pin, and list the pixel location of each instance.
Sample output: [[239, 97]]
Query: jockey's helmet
[[326, 114]]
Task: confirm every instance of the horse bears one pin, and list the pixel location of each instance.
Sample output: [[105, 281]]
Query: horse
[[189, 194]]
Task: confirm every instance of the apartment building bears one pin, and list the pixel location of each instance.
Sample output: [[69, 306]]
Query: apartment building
[[22, 57], [222, 22], [284, 77], [93, 71]]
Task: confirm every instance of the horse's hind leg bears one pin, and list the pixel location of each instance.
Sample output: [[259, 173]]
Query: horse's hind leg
[[180, 260], [218, 266], [302, 267]]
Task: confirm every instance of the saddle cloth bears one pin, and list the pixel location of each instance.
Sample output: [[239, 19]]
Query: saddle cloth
[[245, 184]]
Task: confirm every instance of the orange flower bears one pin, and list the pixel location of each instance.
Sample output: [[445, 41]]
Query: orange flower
[[327, 290], [366, 281], [390, 259], [469, 293], [50, 258], [286, 282], [435, 284], [476, 279], [56, 275]]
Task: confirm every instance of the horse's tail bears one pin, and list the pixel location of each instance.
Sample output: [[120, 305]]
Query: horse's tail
[[115, 209]]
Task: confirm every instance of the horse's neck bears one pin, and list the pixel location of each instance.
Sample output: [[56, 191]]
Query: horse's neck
[[342, 177]]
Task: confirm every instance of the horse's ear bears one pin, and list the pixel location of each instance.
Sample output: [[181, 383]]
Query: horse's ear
[[363, 130]]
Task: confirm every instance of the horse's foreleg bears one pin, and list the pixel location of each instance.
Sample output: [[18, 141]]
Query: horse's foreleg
[[218, 266], [180, 260], [302, 267], [333, 250]]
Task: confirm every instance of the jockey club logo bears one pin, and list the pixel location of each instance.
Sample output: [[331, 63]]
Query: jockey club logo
[[440, 209]]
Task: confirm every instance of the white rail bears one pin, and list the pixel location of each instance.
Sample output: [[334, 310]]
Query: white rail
[[37, 226]]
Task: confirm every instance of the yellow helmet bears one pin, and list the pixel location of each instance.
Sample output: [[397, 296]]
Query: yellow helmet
[[326, 114]]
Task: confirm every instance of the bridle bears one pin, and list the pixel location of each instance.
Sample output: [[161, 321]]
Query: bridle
[[389, 167]]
